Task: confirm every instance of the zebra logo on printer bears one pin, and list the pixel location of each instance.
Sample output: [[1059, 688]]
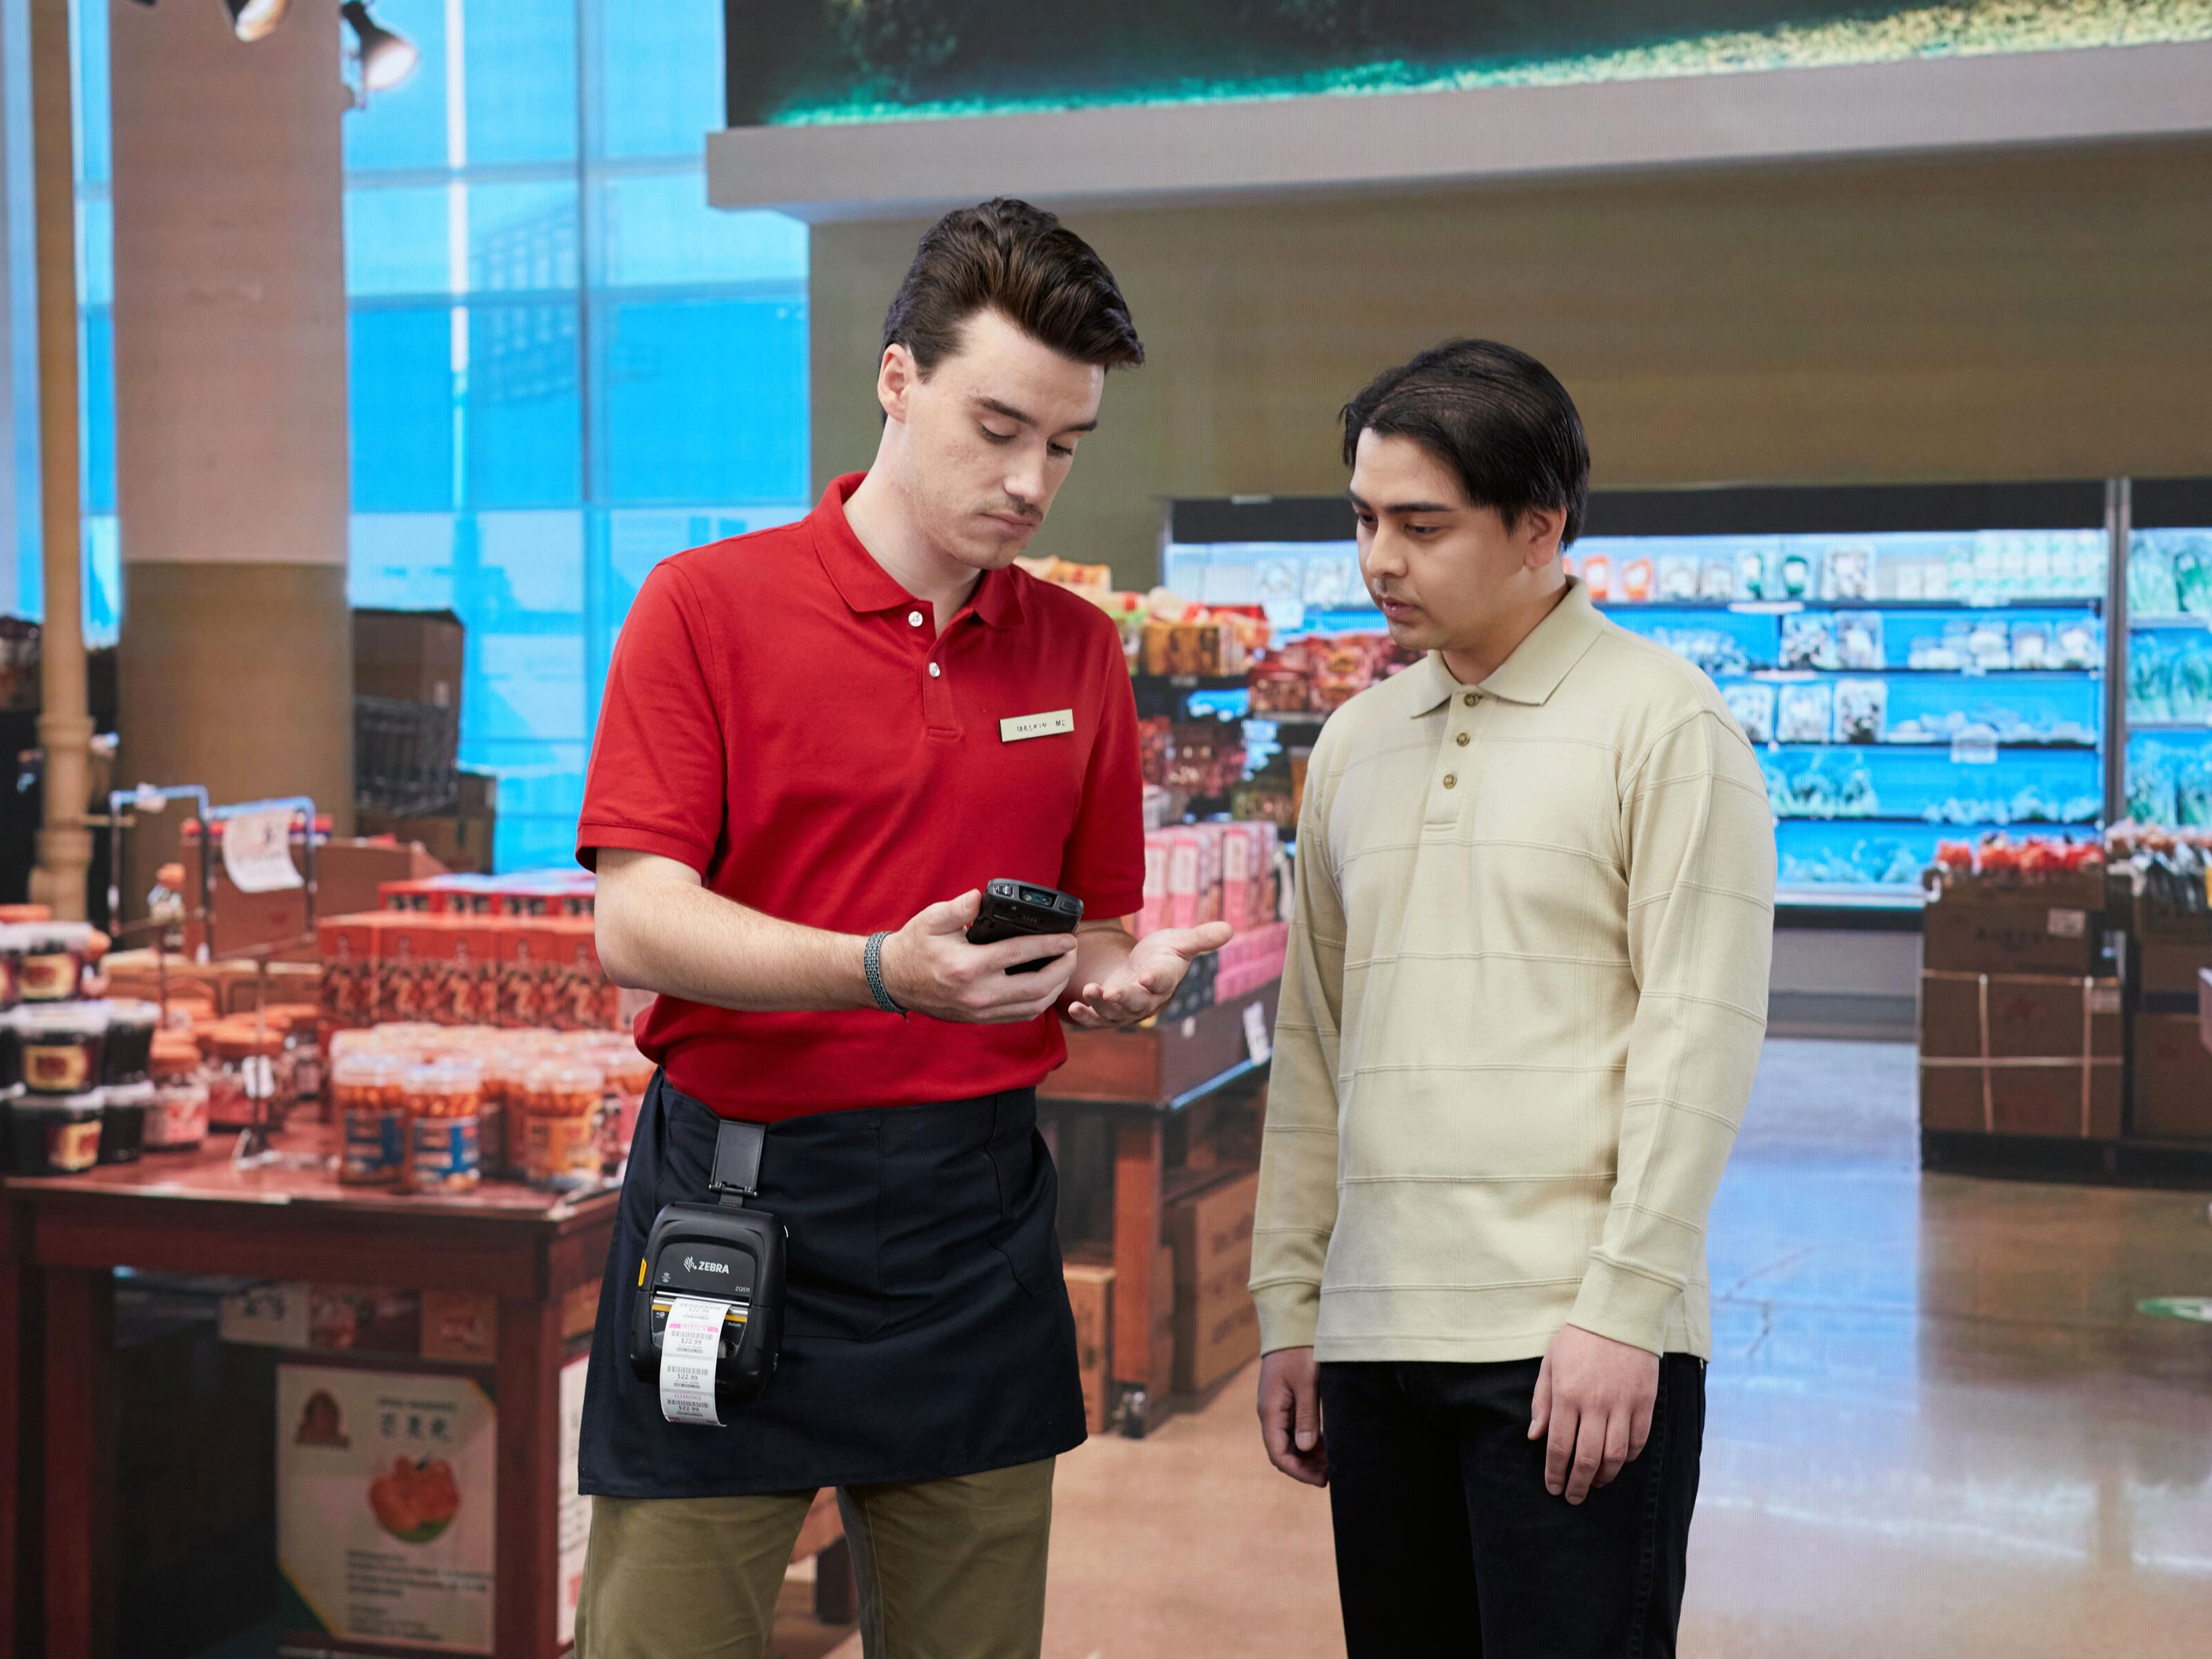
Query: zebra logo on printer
[[707, 1266]]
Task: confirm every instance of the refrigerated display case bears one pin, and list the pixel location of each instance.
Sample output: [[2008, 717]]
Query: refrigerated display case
[[1913, 663], [2167, 663]]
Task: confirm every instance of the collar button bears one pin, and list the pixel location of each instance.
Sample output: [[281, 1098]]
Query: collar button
[[1471, 698]]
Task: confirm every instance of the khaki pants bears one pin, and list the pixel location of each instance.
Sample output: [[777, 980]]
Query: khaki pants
[[945, 1570]]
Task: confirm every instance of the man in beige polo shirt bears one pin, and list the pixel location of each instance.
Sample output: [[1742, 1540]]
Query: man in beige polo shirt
[[1525, 999]]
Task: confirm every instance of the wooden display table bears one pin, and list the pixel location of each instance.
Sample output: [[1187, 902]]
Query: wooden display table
[[1143, 1078], [196, 1214]]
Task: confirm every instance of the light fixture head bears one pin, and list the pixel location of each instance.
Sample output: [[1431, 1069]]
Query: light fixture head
[[388, 59], [253, 19]]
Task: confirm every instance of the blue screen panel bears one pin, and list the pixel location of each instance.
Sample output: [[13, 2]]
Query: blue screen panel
[[400, 384]]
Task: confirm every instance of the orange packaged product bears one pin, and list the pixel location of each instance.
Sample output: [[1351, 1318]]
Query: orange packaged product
[[581, 998], [369, 1103], [525, 951], [473, 977], [443, 1100], [560, 1125], [347, 947]]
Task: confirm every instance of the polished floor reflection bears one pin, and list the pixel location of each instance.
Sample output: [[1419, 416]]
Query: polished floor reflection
[[1937, 1426]]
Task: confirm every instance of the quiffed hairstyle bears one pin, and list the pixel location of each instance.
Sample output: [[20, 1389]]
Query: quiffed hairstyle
[[1495, 417], [1009, 257]]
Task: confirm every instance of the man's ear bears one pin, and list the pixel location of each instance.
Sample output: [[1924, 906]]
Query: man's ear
[[1540, 529], [896, 376]]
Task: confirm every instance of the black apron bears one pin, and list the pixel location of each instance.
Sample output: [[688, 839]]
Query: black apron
[[927, 1331]]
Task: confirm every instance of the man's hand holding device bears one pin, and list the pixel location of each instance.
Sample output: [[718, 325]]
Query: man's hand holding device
[[930, 966]]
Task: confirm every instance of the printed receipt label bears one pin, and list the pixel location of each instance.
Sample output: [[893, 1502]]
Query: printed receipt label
[[689, 1350]]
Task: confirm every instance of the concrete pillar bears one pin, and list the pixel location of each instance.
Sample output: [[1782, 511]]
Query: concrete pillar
[[230, 393]]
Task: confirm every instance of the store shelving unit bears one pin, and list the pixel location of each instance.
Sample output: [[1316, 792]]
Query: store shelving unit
[[1967, 741], [2164, 666]]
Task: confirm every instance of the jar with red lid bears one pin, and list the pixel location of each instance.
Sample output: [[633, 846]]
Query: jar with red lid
[[51, 967], [178, 1121]]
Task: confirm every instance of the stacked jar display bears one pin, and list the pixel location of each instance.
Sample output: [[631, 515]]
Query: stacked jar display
[[436, 1108], [75, 1071]]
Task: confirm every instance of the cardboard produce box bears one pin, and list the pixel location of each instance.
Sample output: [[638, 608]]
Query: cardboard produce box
[[2169, 967], [410, 656], [1217, 1329], [2173, 1080], [2028, 931], [349, 877], [2020, 1054], [1090, 1295]]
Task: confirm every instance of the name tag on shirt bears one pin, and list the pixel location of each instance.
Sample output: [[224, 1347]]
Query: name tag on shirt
[[1022, 728]]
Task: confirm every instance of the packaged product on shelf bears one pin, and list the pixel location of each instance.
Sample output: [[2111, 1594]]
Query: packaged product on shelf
[[1153, 916], [124, 1113], [2192, 576], [1751, 575], [369, 1103], [583, 999], [54, 955], [1804, 716], [1597, 576], [1678, 577], [2031, 645], [406, 983], [2189, 682], [347, 947], [1808, 640], [2076, 645], [236, 1052], [1847, 572], [1279, 688], [179, 1119], [1796, 574], [56, 1134], [1989, 644], [1637, 578], [130, 1027], [1184, 861], [1859, 640], [1912, 581], [1716, 580], [561, 1109], [2152, 589], [62, 1045], [442, 1100], [1752, 705], [1862, 710]]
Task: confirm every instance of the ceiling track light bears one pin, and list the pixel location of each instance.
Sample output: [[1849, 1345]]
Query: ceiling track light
[[253, 19], [387, 60]]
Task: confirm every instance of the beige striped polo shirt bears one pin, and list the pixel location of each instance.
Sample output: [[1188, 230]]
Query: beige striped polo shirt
[[1525, 998]]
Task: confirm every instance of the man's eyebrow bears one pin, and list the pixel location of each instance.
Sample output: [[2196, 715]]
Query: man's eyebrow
[[1402, 508], [1013, 414]]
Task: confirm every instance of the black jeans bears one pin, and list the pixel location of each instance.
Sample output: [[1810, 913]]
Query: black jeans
[[1447, 1543]]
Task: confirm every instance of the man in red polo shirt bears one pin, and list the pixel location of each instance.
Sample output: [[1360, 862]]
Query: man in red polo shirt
[[818, 743]]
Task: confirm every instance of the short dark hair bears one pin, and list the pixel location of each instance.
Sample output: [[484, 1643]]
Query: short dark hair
[[1495, 417], [1009, 257]]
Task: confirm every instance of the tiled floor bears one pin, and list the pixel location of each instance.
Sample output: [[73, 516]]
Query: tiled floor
[[1937, 1427]]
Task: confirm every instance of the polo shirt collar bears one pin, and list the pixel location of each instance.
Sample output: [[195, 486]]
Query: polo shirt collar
[[867, 587], [1537, 666]]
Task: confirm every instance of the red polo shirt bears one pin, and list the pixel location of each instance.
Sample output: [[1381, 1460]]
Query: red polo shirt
[[783, 717]]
